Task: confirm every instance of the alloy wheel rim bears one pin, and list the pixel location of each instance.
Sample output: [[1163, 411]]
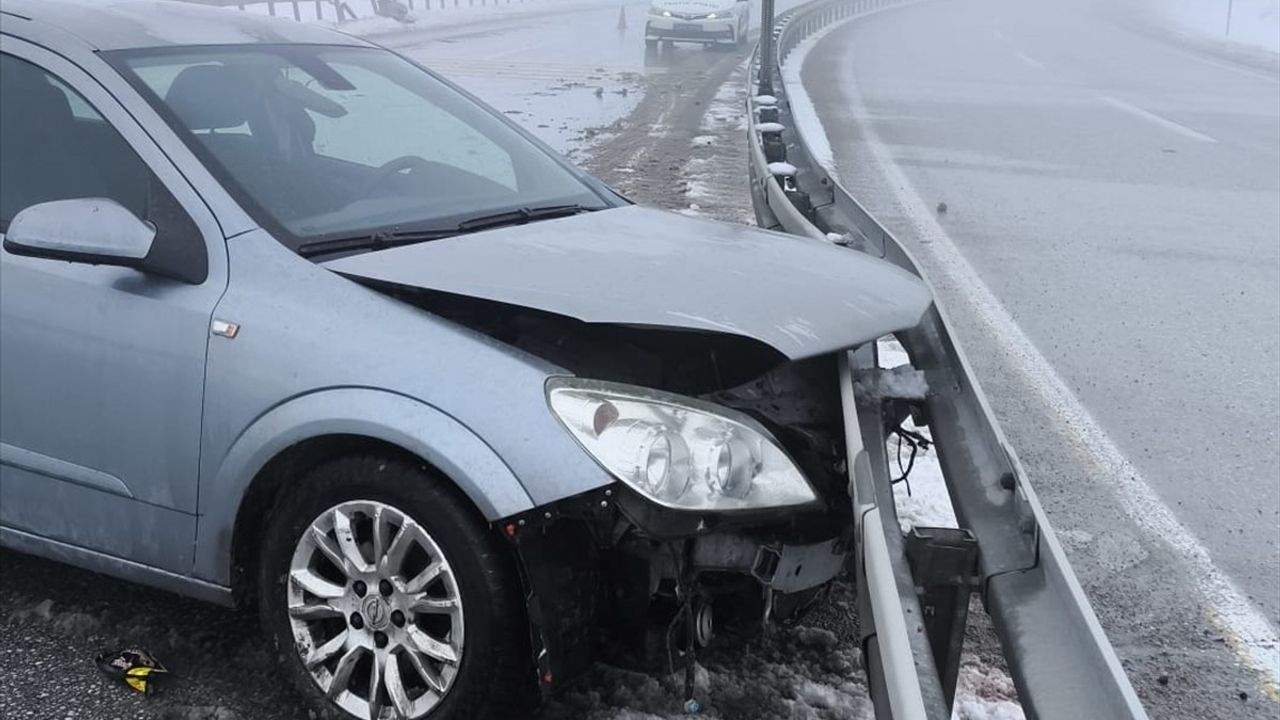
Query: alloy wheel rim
[[375, 611]]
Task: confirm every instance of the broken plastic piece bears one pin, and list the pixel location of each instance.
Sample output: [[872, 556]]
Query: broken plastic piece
[[136, 668]]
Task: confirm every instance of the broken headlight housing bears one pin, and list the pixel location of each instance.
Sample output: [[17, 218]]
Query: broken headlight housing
[[676, 451]]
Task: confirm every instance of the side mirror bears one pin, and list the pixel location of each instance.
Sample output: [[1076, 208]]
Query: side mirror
[[97, 231]]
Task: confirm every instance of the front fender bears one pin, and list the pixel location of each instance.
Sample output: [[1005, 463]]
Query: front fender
[[417, 427]]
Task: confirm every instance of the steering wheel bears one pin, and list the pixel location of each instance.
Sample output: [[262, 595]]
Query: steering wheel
[[391, 168]]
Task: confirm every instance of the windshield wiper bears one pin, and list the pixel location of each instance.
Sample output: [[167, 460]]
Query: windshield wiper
[[383, 239], [372, 241], [520, 216]]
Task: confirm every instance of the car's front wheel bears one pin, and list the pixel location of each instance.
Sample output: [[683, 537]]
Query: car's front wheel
[[388, 599]]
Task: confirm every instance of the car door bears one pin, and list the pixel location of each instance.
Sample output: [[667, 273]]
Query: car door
[[101, 368]]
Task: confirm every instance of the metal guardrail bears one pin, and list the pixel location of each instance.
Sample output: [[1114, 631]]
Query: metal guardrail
[[913, 592]]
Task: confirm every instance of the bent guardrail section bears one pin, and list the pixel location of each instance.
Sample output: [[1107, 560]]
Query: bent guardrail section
[[1059, 657]]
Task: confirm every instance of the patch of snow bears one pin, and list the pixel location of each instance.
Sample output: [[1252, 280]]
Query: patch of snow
[[792, 673], [703, 140], [727, 107], [902, 381], [985, 693], [769, 127], [696, 189], [767, 100], [782, 168], [923, 499], [1255, 23], [819, 638]]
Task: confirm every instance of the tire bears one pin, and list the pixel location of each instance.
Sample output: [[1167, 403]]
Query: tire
[[470, 606], [651, 43]]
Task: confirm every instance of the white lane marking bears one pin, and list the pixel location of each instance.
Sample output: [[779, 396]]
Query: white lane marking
[[1251, 637], [1030, 61], [1151, 117]]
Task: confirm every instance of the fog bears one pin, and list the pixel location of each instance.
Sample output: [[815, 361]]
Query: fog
[[1249, 22]]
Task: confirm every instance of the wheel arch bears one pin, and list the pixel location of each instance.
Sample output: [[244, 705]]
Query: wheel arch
[[297, 435]]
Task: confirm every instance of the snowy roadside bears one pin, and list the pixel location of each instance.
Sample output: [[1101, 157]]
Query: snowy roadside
[[1253, 39], [521, 60], [1249, 23], [424, 15], [519, 57], [709, 191]]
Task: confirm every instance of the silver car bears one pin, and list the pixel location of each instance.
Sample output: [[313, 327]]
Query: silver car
[[287, 319]]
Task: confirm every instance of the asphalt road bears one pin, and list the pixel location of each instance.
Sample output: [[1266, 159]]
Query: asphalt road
[[1118, 193]]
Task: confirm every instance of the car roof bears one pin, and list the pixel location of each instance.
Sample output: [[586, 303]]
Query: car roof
[[129, 24]]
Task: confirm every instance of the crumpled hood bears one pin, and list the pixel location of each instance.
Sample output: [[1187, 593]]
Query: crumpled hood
[[645, 267]]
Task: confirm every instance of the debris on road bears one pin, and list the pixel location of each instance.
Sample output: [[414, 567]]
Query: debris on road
[[134, 667]]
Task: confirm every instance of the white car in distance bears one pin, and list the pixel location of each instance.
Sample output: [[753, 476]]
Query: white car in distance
[[708, 22]]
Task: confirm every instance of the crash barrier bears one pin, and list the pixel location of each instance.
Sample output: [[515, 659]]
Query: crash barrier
[[345, 10], [914, 590]]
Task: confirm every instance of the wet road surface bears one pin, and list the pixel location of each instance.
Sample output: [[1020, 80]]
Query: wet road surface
[[1118, 194]]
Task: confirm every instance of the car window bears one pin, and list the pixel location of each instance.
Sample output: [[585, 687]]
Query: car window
[[322, 142], [55, 146], [382, 121]]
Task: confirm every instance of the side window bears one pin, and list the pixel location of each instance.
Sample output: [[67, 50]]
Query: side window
[[55, 146]]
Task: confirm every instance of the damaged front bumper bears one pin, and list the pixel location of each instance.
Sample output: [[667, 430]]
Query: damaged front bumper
[[608, 575], [611, 575], [777, 566]]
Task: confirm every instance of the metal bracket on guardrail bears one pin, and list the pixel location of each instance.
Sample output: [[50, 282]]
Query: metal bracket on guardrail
[[944, 563], [775, 151], [1059, 657]]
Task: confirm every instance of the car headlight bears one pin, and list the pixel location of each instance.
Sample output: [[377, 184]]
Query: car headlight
[[678, 452], [711, 16], [659, 11]]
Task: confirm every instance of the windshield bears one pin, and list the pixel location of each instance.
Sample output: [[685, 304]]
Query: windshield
[[328, 142]]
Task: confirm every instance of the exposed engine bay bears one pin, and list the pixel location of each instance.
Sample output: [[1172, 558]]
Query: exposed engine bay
[[611, 575]]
